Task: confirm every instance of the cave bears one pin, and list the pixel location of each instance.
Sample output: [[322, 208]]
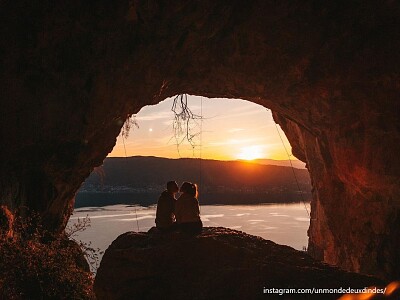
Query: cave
[[73, 72]]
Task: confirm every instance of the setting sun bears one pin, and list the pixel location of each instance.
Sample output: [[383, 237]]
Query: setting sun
[[250, 153]]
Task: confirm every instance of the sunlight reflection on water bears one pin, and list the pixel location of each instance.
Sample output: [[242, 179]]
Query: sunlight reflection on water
[[282, 223]]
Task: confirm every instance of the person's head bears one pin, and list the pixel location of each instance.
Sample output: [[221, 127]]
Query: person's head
[[172, 187], [189, 188]]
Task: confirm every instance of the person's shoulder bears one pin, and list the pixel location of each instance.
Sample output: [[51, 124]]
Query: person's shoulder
[[182, 196], [187, 197], [164, 195]]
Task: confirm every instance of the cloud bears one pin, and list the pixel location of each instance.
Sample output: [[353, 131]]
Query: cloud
[[231, 142], [155, 116], [235, 129], [238, 113]]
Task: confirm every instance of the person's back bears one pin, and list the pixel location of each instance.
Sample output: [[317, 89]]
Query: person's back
[[165, 214], [187, 209]]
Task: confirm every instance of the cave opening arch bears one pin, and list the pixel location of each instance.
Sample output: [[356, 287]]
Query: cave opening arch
[[226, 174]]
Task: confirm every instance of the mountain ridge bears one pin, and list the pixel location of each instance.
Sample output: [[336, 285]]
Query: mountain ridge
[[144, 171], [140, 179]]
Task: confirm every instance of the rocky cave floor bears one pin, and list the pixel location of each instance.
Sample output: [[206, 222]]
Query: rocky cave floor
[[220, 263]]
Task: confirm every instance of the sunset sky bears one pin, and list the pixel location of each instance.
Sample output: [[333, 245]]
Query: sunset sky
[[231, 129]]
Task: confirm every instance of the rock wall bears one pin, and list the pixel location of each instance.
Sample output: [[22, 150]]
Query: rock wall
[[353, 226], [72, 72]]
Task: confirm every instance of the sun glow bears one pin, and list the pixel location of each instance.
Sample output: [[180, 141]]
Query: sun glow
[[250, 153], [222, 138]]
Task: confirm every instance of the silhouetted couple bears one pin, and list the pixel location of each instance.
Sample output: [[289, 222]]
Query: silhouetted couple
[[179, 214]]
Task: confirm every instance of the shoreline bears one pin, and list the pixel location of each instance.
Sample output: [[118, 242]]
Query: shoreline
[[100, 199]]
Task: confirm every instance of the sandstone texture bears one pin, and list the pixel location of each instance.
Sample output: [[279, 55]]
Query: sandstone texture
[[71, 72], [218, 264]]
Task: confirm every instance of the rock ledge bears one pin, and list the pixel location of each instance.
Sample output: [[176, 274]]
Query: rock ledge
[[218, 264]]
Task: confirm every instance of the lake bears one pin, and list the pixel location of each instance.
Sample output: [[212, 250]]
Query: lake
[[282, 223]]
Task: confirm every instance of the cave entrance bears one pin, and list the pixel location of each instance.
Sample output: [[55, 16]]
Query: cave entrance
[[238, 157]]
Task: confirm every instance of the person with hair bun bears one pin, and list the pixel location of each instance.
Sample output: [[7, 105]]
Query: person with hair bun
[[187, 209], [165, 214]]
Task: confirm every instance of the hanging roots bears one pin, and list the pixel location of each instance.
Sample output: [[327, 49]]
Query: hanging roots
[[130, 121], [185, 121]]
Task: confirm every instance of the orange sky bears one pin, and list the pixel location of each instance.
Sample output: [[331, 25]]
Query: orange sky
[[231, 129]]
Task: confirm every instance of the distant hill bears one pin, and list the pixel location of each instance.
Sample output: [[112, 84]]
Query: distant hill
[[143, 178], [298, 164]]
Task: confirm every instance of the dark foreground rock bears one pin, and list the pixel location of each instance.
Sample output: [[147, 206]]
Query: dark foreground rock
[[218, 264]]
